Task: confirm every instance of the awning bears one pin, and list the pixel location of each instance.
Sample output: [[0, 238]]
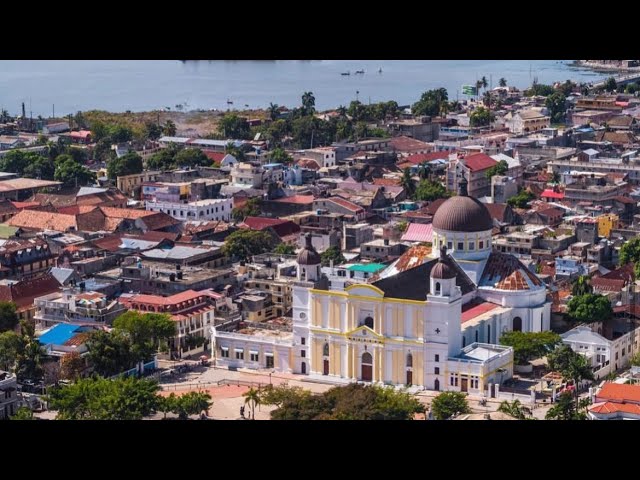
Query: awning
[[253, 352], [224, 348], [239, 349], [268, 354]]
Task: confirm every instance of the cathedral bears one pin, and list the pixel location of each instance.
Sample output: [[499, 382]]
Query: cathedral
[[431, 319]]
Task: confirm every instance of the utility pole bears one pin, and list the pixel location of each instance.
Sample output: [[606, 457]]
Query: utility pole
[[53, 111]]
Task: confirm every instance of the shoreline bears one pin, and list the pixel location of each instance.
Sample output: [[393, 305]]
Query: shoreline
[[603, 67]]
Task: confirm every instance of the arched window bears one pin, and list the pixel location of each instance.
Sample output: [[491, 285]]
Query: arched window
[[325, 350], [517, 324], [436, 385], [409, 360], [437, 288], [369, 322], [488, 333], [477, 336], [367, 358]]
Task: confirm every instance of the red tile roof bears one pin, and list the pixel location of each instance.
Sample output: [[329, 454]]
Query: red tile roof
[[23, 293], [433, 206], [21, 205], [497, 210], [214, 156], [35, 220], [548, 193], [472, 310], [297, 199], [624, 200], [346, 204], [479, 161], [163, 301], [619, 393], [611, 407], [408, 144], [608, 284], [262, 223], [308, 163], [128, 213], [81, 134]]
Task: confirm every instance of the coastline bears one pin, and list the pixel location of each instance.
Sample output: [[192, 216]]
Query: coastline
[[603, 67]]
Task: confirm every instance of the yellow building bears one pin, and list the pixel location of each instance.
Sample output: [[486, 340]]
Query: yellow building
[[606, 223]]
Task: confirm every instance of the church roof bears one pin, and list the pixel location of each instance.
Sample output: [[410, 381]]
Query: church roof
[[505, 272]]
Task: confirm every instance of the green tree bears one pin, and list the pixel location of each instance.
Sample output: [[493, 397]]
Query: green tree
[[252, 397], [630, 253], [285, 249], [566, 409], [164, 159], [556, 103], [448, 404], [529, 345], [8, 316], [566, 88], [11, 346], [350, 402], [428, 191], [26, 164], [29, 361], [332, 253], [279, 155], [101, 399], [581, 286], [571, 365], [589, 308], [279, 394], [407, 183], [274, 111], [127, 164], [308, 103], [23, 413], [72, 366], [153, 131], [522, 199], [499, 168], [110, 353], [167, 404], [635, 360], [481, 117], [237, 152], [169, 129], [146, 331], [250, 209], [243, 244], [233, 126], [632, 88], [119, 133], [71, 173], [192, 157], [191, 403], [610, 84], [515, 409], [402, 226], [503, 82], [539, 89], [430, 102]]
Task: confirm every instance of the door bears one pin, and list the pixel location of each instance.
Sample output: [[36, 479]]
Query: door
[[367, 367], [409, 378], [464, 384], [325, 370], [303, 368], [436, 385]]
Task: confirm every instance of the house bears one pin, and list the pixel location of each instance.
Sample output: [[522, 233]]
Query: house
[[53, 128], [382, 249], [22, 292], [515, 169], [503, 188], [282, 207], [210, 209], [404, 145], [619, 139], [340, 205], [546, 216], [247, 175], [75, 307], [616, 401], [323, 156], [131, 185], [19, 189], [527, 121], [82, 136], [421, 128], [282, 230], [473, 169], [24, 258], [8, 395]]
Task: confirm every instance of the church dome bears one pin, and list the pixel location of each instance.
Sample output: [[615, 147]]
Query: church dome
[[462, 214], [443, 271], [308, 255]]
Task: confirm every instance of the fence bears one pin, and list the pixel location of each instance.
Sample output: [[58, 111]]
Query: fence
[[219, 383]]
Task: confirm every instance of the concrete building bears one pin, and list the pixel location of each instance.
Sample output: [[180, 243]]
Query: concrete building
[[132, 184], [76, 308], [382, 249], [356, 234], [503, 188], [211, 209], [247, 175], [421, 128], [8, 395], [527, 121], [473, 169]]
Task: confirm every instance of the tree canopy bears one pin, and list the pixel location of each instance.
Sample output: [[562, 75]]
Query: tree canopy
[[481, 117], [522, 199], [192, 157], [529, 345], [11, 344], [447, 404], [428, 190], [332, 253], [539, 89], [101, 399], [250, 209], [285, 249], [431, 102], [515, 409], [499, 168], [233, 126], [589, 308], [243, 244], [556, 103], [566, 409], [279, 155], [350, 402], [581, 286], [610, 84], [146, 331], [630, 253], [8, 316], [71, 173], [110, 352], [27, 164], [128, 164]]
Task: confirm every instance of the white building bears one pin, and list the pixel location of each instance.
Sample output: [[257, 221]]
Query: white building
[[247, 175], [8, 395], [605, 356], [212, 209]]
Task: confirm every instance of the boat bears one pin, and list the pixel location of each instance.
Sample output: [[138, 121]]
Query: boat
[[229, 102], [345, 73], [380, 71], [359, 72]]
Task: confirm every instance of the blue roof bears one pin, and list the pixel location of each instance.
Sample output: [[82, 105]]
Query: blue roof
[[59, 334]]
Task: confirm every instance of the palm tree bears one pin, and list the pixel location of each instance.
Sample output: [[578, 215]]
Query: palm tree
[[485, 84], [308, 103], [581, 286], [342, 111], [454, 106], [478, 87], [425, 171], [407, 182], [169, 128], [503, 82], [252, 397], [273, 111], [515, 409]]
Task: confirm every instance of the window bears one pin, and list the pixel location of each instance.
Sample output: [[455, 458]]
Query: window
[[449, 245], [224, 352], [239, 354], [517, 324], [437, 359], [436, 370], [472, 245], [409, 360], [481, 244], [488, 333], [254, 356], [368, 322], [616, 355], [476, 336], [464, 342], [303, 353], [325, 350], [460, 245], [437, 288], [303, 341]]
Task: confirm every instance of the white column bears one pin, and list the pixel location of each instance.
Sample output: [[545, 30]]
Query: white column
[[497, 389], [345, 359], [343, 318], [389, 366]]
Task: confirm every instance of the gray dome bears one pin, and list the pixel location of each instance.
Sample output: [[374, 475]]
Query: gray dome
[[308, 255], [462, 214], [442, 271]]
